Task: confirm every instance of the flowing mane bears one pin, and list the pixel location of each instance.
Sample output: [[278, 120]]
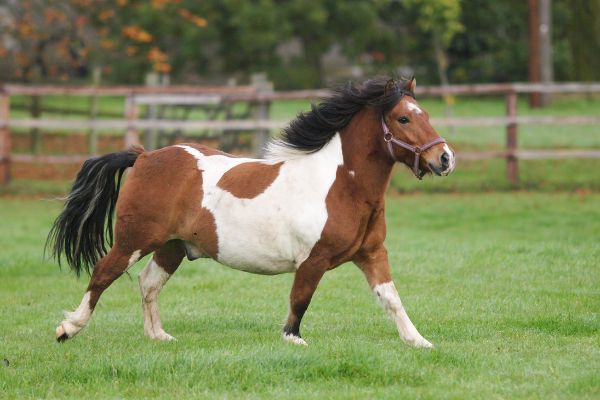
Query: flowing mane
[[311, 130]]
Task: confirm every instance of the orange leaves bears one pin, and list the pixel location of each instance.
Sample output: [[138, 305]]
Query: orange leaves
[[136, 34], [160, 4], [156, 55], [107, 44], [52, 15], [25, 29], [159, 60], [194, 19], [162, 68], [105, 15]]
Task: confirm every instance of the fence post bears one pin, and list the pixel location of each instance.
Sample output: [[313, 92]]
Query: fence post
[[92, 134], [131, 135], [261, 110], [512, 165], [36, 111], [4, 137], [151, 134]]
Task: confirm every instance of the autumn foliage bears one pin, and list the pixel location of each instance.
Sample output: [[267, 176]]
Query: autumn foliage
[[60, 39]]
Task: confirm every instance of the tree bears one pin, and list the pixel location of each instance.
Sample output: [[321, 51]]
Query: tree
[[441, 19], [43, 40]]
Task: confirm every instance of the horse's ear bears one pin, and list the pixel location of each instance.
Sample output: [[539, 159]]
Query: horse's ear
[[390, 87], [411, 85]]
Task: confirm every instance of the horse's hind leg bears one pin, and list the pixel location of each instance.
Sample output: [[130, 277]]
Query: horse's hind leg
[[163, 264], [106, 271]]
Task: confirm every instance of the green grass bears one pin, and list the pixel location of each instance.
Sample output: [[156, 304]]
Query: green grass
[[507, 286]]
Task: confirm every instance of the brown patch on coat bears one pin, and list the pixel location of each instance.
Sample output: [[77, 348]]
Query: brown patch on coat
[[169, 256], [163, 195], [248, 180]]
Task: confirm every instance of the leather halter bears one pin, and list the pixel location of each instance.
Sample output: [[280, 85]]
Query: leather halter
[[417, 150]]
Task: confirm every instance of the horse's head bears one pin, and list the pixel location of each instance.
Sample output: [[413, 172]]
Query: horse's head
[[410, 138]]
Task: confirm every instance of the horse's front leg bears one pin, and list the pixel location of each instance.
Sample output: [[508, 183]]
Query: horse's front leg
[[375, 266], [306, 280]]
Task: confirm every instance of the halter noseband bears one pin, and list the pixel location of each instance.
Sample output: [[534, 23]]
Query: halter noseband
[[417, 150]]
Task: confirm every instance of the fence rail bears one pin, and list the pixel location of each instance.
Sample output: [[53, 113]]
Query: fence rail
[[259, 121]]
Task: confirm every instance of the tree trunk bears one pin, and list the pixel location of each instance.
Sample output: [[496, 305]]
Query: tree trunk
[[442, 65]]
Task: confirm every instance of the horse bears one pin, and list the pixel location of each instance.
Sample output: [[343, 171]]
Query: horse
[[316, 201]]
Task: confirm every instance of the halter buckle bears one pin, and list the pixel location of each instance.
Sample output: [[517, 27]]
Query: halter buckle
[[417, 150], [387, 136]]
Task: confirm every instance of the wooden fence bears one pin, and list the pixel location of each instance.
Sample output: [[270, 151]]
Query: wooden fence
[[260, 97]]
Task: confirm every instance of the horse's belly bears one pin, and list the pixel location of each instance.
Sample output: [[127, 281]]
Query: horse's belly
[[267, 244]]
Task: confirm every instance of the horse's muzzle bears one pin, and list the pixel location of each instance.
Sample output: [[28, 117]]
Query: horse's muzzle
[[445, 164]]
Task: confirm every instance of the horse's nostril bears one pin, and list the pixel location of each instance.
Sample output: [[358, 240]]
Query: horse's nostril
[[445, 159]]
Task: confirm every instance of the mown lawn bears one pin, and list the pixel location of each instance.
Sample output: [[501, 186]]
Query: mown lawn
[[506, 285]]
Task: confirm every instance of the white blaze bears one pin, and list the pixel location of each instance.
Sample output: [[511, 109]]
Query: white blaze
[[413, 107]]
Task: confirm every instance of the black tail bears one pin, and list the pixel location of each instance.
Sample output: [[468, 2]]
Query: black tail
[[83, 230]]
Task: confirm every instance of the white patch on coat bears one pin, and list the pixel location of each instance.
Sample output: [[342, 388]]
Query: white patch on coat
[[388, 297], [289, 338], [152, 279], [275, 231], [135, 256], [76, 320], [351, 173], [413, 107]]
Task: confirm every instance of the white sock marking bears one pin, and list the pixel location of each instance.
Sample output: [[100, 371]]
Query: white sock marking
[[289, 338], [76, 320], [388, 297], [152, 279]]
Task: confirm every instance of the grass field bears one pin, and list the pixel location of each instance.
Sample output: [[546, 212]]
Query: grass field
[[506, 285]]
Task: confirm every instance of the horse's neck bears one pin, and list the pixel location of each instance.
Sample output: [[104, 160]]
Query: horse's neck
[[363, 155]]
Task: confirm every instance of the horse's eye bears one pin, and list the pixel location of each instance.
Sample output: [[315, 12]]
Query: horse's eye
[[403, 120]]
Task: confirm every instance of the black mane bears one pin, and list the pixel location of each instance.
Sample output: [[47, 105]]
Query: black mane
[[312, 130]]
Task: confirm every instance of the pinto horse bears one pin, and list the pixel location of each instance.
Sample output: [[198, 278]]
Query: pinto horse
[[316, 202]]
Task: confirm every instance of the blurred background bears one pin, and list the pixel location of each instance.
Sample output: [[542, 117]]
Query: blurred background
[[509, 83]]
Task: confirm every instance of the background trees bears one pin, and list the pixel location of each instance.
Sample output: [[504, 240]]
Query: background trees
[[298, 43]]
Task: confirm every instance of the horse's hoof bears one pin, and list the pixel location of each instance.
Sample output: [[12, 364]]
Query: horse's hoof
[[161, 335], [61, 335], [420, 343], [290, 338], [164, 336]]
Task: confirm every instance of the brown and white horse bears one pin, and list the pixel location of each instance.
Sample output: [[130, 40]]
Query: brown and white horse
[[315, 202]]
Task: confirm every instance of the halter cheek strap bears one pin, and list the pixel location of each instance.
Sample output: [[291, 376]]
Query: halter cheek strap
[[417, 150]]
